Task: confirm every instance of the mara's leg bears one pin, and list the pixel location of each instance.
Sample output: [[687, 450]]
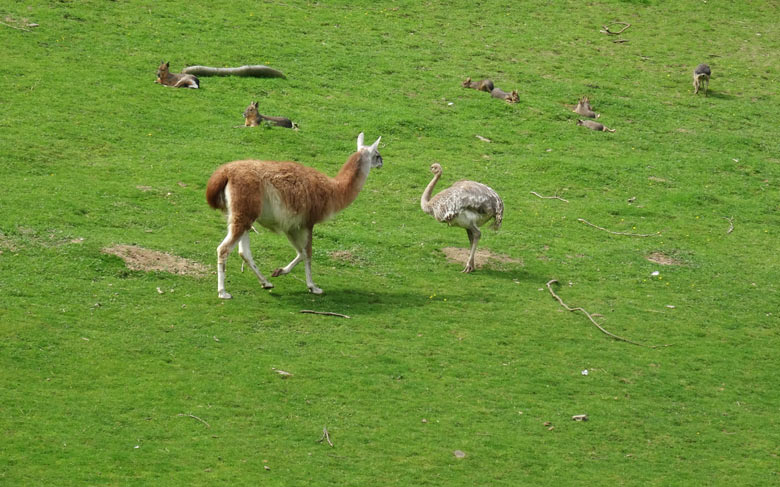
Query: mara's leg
[[706, 85], [695, 84], [474, 236], [246, 254]]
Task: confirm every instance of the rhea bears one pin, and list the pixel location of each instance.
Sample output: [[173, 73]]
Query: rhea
[[284, 197], [465, 204]]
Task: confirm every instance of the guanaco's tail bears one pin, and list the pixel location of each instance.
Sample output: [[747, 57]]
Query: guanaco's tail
[[215, 189]]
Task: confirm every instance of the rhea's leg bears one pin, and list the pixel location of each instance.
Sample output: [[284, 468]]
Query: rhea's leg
[[474, 236], [246, 254]]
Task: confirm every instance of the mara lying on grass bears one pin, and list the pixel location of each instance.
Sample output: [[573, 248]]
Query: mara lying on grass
[[253, 118], [594, 126], [484, 85], [512, 97], [166, 78], [285, 197]]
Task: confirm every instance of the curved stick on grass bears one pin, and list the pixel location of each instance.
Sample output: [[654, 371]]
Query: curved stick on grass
[[255, 71], [326, 313], [731, 224], [605, 28], [195, 417], [325, 436], [555, 197], [619, 233], [590, 317]]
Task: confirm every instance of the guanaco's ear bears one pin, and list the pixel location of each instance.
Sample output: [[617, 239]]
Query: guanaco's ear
[[376, 144], [360, 141]]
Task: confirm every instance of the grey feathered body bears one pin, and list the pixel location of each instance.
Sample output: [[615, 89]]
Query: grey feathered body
[[702, 69], [465, 202]]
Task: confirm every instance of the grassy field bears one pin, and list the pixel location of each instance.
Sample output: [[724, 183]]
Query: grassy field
[[113, 376]]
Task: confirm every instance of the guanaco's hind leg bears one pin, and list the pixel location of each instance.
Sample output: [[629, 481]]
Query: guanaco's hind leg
[[236, 232], [246, 254]]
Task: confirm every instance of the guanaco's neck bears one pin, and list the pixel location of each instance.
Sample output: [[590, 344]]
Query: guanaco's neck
[[350, 179]]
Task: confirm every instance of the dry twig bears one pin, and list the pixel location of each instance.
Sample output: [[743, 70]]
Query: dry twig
[[605, 28], [15, 27], [554, 197], [325, 436], [731, 224], [619, 233], [327, 313], [590, 317], [195, 417]]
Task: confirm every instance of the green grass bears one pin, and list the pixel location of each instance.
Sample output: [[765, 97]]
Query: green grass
[[100, 370]]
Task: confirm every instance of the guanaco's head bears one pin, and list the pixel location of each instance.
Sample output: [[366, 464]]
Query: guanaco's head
[[467, 83], [162, 72], [369, 153], [436, 169]]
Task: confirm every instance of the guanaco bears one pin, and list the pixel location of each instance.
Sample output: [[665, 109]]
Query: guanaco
[[583, 108], [594, 126], [701, 73], [512, 97], [253, 118], [484, 85], [284, 197], [165, 77]]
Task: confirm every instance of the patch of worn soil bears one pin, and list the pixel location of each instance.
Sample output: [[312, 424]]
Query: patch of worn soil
[[663, 259], [141, 259], [482, 258]]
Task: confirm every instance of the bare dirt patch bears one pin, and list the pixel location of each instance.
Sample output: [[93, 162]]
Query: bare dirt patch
[[343, 255], [663, 259], [483, 257], [141, 259]]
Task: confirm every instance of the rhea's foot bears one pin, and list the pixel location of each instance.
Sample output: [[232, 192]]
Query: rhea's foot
[[268, 285], [314, 289], [224, 295], [468, 268], [278, 272]]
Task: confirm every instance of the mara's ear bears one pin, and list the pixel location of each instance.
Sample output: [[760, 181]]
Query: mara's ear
[[167, 64], [360, 141], [255, 104], [376, 144]]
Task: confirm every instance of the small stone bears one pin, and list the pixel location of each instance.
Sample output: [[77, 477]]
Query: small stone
[[459, 454]]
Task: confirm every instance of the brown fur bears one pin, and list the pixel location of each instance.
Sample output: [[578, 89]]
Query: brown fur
[[166, 78], [512, 97], [303, 190], [594, 126], [284, 197], [253, 118], [583, 108], [484, 85]]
